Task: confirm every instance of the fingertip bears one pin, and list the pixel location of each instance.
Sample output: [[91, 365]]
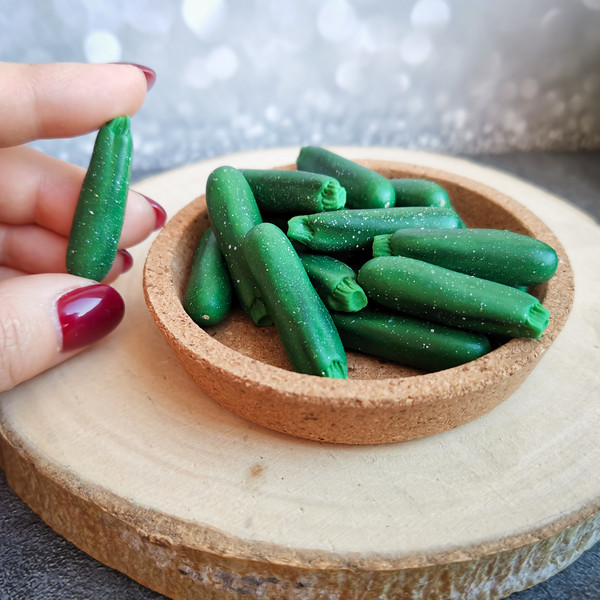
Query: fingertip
[[122, 264], [149, 74], [142, 216], [159, 212], [90, 94], [127, 261]]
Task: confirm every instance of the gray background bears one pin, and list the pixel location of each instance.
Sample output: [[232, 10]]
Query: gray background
[[452, 76], [513, 84]]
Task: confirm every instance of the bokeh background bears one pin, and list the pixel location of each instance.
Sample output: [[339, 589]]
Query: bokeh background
[[451, 76]]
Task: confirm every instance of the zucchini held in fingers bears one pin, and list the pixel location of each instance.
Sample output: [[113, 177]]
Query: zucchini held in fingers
[[100, 211]]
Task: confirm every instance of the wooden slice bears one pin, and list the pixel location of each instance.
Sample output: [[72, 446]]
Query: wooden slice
[[121, 453]]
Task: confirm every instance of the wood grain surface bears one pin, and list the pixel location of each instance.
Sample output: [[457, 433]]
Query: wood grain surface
[[121, 453]]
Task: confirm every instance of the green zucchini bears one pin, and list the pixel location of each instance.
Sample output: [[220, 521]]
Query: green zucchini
[[334, 281], [209, 292], [233, 212], [434, 293], [308, 335], [419, 192], [354, 229], [281, 191], [100, 211], [407, 340], [502, 256], [364, 188]]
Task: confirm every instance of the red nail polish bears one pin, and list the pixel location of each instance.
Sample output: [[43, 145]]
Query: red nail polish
[[88, 314], [159, 211], [150, 75], [127, 260], [147, 71]]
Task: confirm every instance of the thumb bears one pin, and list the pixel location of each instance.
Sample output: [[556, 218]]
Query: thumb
[[46, 318]]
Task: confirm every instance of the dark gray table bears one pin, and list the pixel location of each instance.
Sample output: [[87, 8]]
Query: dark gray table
[[37, 564]]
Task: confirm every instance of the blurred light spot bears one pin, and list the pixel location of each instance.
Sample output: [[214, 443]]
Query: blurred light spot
[[336, 21], [576, 102], [272, 113], [456, 118], [201, 16], [222, 62], [318, 99], [415, 48], [102, 46], [551, 22], [430, 14], [512, 122], [571, 124], [529, 89], [402, 82], [349, 77], [483, 91], [558, 108], [508, 90], [377, 34], [196, 73], [587, 122]]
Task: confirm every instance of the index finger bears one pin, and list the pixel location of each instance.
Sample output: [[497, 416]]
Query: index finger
[[58, 100]]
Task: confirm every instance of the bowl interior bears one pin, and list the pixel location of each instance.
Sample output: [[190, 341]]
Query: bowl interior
[[477, 207]]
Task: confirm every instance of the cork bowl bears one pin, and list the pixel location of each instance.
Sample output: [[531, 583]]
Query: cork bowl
[[244, 368]]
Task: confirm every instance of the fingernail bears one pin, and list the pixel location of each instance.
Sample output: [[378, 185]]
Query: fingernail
[[88, 314], [159, 212], [147, 71], [127, 260]]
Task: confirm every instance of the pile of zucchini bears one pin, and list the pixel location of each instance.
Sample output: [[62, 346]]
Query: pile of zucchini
[[338, 257]]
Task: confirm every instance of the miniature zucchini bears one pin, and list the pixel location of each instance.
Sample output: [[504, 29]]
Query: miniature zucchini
[[309, 337], [233, 212], [98, 219], [364, 188], [444, 296], [335, 282], [502, 256], [419, 192], [281, 191], [208, 293], [407, 340], [354, 229]]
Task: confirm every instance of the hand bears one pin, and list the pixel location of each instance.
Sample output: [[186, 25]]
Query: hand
[[47, 315]]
